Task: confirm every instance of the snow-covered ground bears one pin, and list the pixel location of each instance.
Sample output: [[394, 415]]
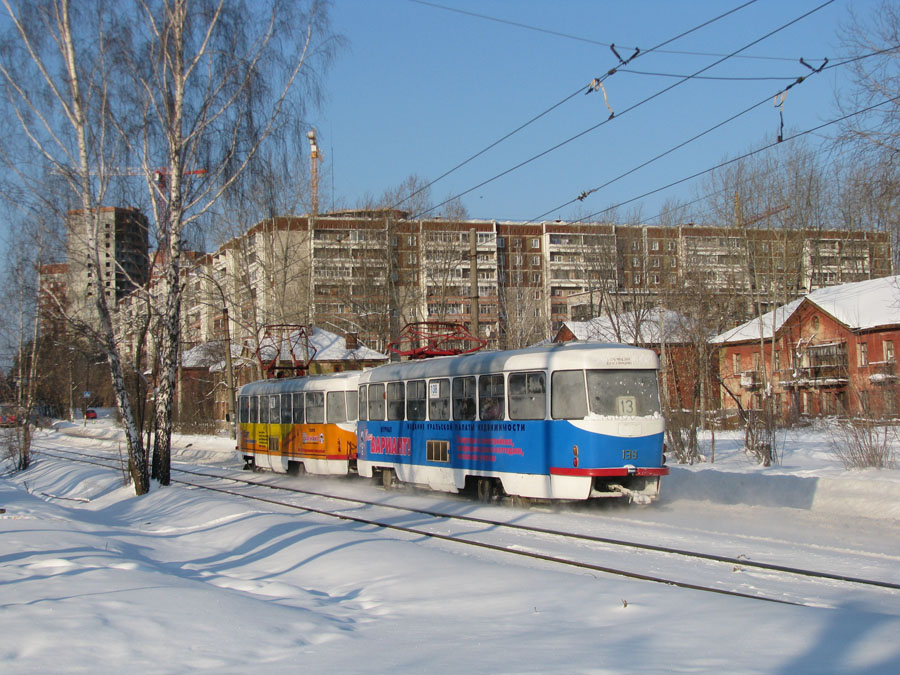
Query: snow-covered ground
[[94, 579]]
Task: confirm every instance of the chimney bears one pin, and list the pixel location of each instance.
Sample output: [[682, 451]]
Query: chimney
[[351, 341]]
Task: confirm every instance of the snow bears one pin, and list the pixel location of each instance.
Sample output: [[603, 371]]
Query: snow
[[860, 305], [326, 346], [185, 580], [641, 328]]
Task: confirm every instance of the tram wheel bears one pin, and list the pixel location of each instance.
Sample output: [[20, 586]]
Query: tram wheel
[[387, 478], [485, 487]]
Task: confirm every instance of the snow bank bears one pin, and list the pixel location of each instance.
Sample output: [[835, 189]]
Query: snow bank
[[808, 476], [867, 495]]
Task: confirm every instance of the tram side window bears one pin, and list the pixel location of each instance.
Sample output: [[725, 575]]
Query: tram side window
[[263, 409], [352, 406], [275, 409], [439, 399], [527, 396], [623, 393], [315, 407], [286, 409], [244, 410], [491, 397], [363, 403], [298, 407], [376, 401], [415, 400], [395, 401], [254, 405], [464, 398], [567, 397], [336, 407]]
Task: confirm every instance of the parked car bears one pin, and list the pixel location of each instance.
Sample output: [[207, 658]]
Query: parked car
[[8, 416], [90, 414]]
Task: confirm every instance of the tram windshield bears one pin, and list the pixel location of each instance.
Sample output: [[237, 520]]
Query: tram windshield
[[623, 393]]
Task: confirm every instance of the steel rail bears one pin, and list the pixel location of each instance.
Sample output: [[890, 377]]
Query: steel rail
[[524, 528]]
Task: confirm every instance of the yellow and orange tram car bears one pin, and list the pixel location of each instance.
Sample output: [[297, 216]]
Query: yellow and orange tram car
[[300, 424]]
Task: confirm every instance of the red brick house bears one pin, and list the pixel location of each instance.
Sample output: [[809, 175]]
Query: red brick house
[[830, 352]]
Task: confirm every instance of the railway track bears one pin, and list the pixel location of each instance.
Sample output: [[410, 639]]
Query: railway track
[[636, 560]]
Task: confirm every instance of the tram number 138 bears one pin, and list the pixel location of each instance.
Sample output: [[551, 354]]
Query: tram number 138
[[629, 454]]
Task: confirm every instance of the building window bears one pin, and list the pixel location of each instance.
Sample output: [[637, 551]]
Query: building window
[[888, 350], [863, 351], [535, 243], [535, 261], [736, 363]]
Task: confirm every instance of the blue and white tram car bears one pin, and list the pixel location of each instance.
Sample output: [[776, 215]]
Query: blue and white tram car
[[564, 421]]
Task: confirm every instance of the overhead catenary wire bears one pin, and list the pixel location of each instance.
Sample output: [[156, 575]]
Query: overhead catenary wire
[[627, 110], [751, 153], [799, 80], [722, 78], [586, 193], [599, 81], [579, 38]]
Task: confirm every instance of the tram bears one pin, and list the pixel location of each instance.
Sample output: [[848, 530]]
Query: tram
[[568, 421], [299, 424]]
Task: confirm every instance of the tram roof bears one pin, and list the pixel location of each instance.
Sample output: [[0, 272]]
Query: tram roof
[[332, 382], [557, 356]]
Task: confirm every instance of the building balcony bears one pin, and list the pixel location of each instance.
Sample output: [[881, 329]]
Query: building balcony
[[883, 372], [818, 377], [751, 379]]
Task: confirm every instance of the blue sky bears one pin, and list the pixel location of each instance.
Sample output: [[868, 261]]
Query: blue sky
[[419, 89]]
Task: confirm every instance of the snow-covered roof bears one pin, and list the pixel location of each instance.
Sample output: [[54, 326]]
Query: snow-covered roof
[[204, 355], [764, 324], [643, 328], [861, 305], [328, 347]]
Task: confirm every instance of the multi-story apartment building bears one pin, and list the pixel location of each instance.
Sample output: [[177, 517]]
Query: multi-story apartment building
[[106, 253], [370, 272]]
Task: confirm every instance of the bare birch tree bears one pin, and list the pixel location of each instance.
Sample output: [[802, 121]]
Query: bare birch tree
[[212, 81], [57, 84], [177, 88]]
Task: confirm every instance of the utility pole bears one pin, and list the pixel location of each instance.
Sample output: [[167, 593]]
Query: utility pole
[[473, 281], [313, 172], [311, 225]]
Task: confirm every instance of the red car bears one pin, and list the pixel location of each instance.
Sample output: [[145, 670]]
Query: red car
[[8, 417], [90, 414]]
